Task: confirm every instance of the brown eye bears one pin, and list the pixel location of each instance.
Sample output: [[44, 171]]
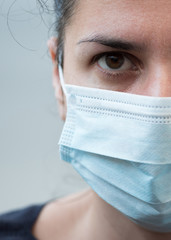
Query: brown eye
[[115, 61]]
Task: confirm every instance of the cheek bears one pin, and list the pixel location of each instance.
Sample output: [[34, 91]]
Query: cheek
[[91, 76], [77, 70]]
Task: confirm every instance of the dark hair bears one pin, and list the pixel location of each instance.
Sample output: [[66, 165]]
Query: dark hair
[[64, 10]]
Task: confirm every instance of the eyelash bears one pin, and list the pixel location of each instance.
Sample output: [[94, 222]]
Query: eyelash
[[116, 73]]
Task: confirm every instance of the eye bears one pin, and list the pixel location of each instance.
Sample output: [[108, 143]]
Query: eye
[[115, 61]]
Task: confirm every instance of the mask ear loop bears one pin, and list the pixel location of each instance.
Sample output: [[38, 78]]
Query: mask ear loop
[[61, 76]]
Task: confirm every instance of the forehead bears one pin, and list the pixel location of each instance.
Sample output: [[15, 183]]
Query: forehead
[[145, 19]]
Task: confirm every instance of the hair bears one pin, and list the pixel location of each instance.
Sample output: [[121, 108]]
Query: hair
[[64, 10]]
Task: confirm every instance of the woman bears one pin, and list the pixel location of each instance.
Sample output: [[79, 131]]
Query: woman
[[112, 65]]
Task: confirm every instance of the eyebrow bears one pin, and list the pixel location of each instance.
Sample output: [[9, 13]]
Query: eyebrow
[[113, 43]]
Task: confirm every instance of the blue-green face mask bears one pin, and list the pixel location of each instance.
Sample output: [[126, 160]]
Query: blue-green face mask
[[121, 145]]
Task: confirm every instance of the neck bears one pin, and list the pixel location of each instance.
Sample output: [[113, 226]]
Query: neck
[[108, 223]]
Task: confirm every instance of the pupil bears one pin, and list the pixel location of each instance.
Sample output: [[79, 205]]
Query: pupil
[[115, 61]]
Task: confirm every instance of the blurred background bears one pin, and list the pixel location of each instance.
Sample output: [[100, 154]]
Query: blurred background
[[31, 171]]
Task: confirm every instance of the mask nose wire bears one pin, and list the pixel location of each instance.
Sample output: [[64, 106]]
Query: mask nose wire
[[61, 76]]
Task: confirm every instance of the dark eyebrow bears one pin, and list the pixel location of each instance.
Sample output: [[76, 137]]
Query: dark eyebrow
[[114, 43]]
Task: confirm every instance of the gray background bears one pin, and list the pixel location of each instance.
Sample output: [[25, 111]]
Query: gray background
[[30, 168]]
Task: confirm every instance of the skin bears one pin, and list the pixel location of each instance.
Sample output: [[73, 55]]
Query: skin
[[144, 28]]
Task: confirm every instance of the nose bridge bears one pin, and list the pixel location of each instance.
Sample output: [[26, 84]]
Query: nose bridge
[[160, 79]]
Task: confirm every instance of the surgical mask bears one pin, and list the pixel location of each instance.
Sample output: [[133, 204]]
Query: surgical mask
[[120, 144]]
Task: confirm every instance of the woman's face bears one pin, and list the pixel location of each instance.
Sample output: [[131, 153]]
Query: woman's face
[[120, 45]]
